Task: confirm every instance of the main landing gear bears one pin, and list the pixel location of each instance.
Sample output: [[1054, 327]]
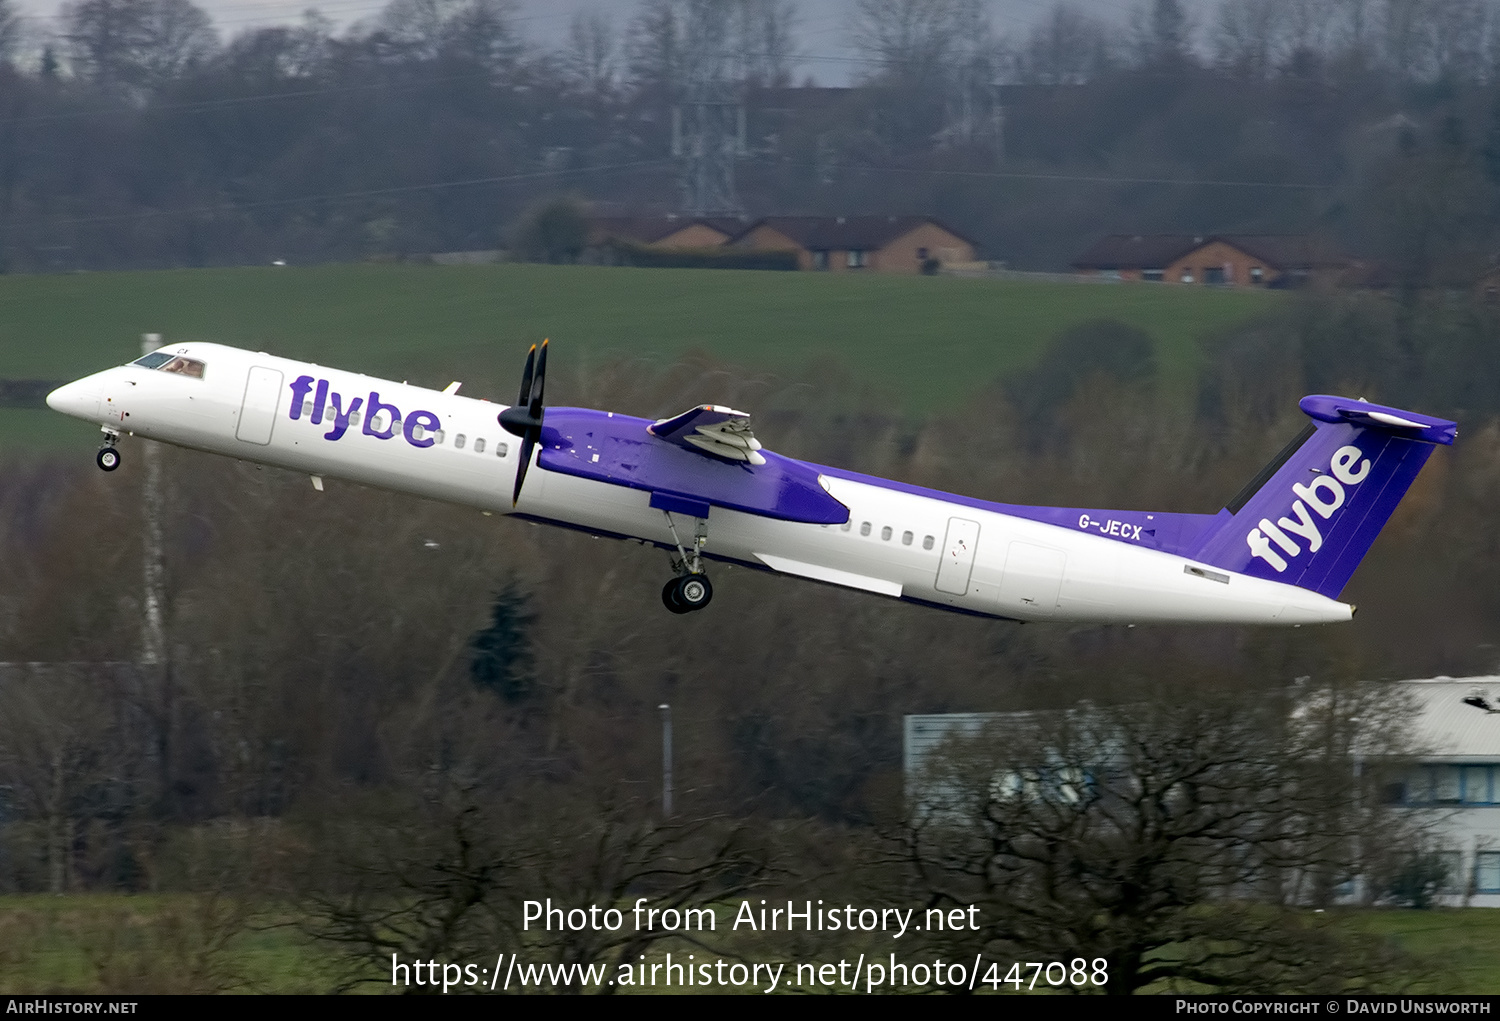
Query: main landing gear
[[108, 457], [690, 590]]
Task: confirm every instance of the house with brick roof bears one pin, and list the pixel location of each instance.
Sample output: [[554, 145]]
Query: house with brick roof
[[1234, 260]]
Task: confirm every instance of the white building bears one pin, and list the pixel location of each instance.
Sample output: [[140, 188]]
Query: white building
[[1459, 777]]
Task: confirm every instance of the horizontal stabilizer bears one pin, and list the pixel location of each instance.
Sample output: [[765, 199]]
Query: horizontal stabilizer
[[722, 432], [1323, 408]]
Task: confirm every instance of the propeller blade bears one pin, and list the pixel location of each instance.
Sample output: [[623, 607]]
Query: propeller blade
[[528, 443], [536, 390], [525, 397]]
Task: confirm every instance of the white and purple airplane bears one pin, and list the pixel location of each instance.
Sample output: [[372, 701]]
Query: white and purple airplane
[[701, 487]]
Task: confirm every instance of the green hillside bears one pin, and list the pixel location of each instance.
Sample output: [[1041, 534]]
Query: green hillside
[[925, 340]]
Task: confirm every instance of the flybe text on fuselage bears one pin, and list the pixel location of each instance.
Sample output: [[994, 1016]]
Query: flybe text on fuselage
[[1324, 495], [380, 420]]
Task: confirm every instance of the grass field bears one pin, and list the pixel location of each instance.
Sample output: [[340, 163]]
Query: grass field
[[102, 943], [927, 341]]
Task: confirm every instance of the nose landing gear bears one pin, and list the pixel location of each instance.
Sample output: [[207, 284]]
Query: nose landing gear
[[108, 457], [690, 590]]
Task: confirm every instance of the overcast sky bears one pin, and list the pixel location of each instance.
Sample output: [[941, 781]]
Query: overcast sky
[[821, 24]]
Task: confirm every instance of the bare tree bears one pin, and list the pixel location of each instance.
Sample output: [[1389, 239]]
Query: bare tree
[[10, 31], [138, 44], [1069, 47], [481, 31], [1180, 839], [1249, 36], [1163, 33], [590, 62], [459, 875]]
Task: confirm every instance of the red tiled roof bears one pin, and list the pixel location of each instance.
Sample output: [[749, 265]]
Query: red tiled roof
[[845, 233], [1157, 251]]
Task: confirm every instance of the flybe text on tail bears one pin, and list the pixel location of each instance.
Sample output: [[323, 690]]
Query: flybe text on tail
[[1321, 497]]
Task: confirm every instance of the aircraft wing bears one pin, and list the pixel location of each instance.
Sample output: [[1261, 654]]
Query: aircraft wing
[[722, 432]]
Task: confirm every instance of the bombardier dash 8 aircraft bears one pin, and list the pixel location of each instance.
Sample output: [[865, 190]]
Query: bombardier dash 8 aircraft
[[701, 486]]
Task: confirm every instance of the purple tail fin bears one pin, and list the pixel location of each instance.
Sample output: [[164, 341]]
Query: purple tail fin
[[1311, 515]]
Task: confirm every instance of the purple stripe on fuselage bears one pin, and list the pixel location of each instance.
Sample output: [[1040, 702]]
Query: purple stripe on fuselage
[[1168, 532]]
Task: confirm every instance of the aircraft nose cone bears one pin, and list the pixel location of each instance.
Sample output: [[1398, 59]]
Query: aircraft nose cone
[[79, 398]]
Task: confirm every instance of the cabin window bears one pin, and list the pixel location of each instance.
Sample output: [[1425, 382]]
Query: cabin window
[[417, 432], [501, 449], [437, 436], [307, 408], [864, 528], [479, 445], [458, 442], [354, 418], [906, 538], [846, 526], [927, 542], [885, 534]]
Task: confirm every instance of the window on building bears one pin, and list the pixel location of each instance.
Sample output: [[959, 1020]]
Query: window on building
[[1257, 275], [1452, 880], [906, 538], [1187, 276], [820, 260], [458, 442], [1213, 274], [885, 534], [864, 528], [1154, 275], [1487, 872], [922, 254], [1477, 787], [1446, 787], [479, 445], [927, 542], [858, 258]]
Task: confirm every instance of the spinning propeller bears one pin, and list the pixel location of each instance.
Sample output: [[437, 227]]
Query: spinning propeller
[[525, 418]]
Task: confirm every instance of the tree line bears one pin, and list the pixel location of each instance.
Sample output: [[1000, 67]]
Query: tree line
[[136, 134]]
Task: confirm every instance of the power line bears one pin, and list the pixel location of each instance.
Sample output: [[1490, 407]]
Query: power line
[[1070, 178], [227, 207]]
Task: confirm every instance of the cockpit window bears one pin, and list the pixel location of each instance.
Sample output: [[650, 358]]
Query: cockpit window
[[164, 361], [185, 366]]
